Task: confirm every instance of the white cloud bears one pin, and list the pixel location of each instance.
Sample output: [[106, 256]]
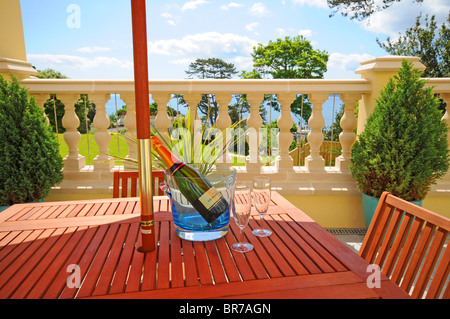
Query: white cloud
[[311, 3], [347, 62], [93, 49], [170, 19], [281, 32], [242, 62], [185, 61], [306, 33], [402, 15], [192, 5], [251, 27], [208, 43], [231, 5], [57, 61], [259, 10]]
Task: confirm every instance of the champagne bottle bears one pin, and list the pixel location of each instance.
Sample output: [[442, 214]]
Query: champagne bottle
[[208, 201]]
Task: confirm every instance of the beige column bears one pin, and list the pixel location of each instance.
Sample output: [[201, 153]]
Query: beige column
[[315, 162], [102, 137], [285, 122], [74, 161], [40, 101], [223, 122], [378, 71], [348, 136], [254, 136], [13, 57], [195, 127], [130, 125], [162, 120]]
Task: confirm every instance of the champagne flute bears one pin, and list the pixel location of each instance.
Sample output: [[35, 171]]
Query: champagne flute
[[241, 206], [261, 194]]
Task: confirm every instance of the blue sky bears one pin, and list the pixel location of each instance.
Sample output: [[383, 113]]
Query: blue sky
[[100, 46], [87, 39]]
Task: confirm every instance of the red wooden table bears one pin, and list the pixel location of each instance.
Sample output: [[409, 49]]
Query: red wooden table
[[85, 249]]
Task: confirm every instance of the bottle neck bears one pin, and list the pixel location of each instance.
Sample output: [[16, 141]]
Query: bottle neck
[[163, 152]]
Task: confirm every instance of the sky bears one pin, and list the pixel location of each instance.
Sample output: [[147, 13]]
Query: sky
[[86, 39]]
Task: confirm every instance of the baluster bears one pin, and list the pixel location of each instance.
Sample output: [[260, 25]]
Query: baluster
[[285, 122], [195, 127], [40, 101], [315, 162], [162, 120], [74, 161], [254, 136], [102, 137], [130, 125], [348, 124], [223, 122]]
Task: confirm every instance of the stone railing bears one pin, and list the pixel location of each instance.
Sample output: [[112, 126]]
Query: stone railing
[[314, 178], [99, 91]]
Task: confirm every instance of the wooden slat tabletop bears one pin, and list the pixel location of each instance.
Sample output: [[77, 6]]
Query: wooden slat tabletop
[[46, 247]]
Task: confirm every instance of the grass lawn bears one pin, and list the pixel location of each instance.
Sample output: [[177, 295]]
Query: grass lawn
[[89, 149], [117, 142]]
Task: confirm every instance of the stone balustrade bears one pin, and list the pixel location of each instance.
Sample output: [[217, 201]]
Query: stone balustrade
[[314, 178], [68, 91]]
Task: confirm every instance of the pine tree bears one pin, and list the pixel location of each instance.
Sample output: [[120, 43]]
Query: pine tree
[[29, 156], [404, 148]]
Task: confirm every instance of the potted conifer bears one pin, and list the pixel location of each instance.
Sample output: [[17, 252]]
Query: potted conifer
[[29, 156], [404, 148]]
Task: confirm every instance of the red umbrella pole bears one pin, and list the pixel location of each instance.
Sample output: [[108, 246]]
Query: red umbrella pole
[[139, 23]]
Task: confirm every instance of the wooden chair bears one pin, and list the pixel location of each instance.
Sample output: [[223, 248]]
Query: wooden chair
[[120, 185], [410, 245]]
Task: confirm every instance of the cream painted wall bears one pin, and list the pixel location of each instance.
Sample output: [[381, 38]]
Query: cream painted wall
[[13, 56], [13, 42]]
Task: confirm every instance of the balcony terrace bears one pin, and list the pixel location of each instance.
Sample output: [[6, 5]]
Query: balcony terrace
[[304, 186]]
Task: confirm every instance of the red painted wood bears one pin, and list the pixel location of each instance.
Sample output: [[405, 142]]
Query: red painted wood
[[406, 241], [300, 259], [139, 24], [130, 178]]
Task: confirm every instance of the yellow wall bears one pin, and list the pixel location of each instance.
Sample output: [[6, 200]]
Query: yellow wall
[[331, 211], [11, 35], [368, 102], [438, 204], [346, 211]]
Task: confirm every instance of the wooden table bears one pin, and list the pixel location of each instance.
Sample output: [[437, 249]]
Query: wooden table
[[87, 249]]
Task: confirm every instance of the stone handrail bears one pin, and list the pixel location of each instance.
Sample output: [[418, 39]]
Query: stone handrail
[[68, 91], [313, 177]]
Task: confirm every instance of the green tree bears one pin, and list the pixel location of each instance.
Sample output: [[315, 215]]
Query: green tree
[[211, 68], [50, 74], [403, 149], [29, 154], [360, 9], [427, 41], [289, 58], [333, 133], [54, 109]]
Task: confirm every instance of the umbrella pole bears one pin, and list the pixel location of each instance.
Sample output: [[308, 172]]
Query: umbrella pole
[[143, 123]]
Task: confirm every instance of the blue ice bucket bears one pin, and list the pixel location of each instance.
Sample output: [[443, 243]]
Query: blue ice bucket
[[189, 224]]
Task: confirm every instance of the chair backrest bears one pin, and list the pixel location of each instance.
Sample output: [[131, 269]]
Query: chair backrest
[[129, 180], [410, 245]]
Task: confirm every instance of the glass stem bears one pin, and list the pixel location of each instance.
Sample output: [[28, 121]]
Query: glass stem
[[241, 234]]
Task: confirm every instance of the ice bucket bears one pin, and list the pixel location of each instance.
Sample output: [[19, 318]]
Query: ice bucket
[[189, 224]]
